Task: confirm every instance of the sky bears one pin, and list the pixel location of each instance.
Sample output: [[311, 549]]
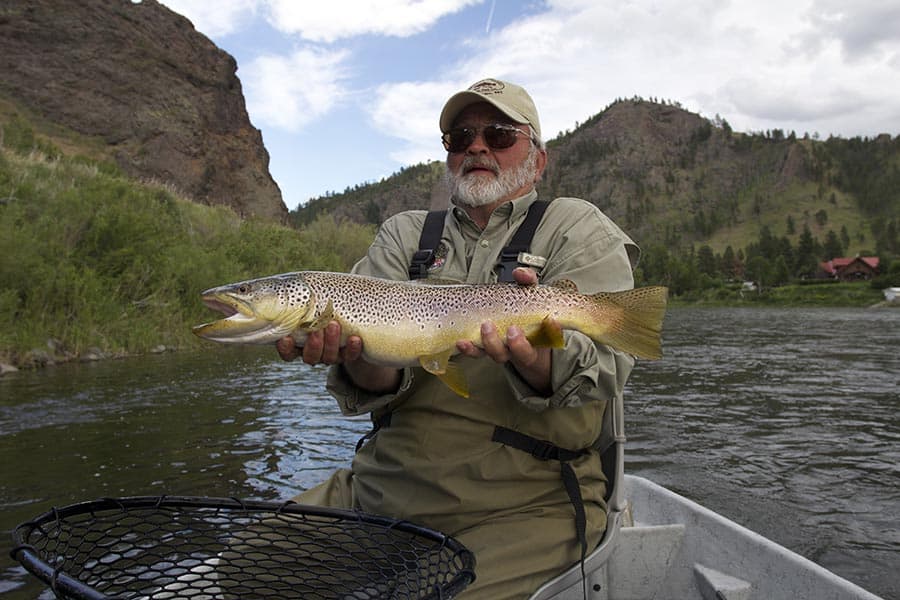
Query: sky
[[347, 92]]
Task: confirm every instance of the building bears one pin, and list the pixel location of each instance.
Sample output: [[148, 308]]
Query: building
[[849, 269]]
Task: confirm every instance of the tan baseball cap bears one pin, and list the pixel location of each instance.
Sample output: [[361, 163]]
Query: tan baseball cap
[[510, 98]]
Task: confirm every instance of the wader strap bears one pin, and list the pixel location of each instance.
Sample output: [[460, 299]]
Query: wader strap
[[520, 242], [543, 450], [509, 255], [382, 421], [428, 243]]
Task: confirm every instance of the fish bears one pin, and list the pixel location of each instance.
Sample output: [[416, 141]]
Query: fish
[[417, 323]]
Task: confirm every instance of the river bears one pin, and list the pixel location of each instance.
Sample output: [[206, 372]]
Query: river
[[784, 420]]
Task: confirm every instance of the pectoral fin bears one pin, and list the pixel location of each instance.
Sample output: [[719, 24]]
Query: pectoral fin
[[448, 372], [325, 317], [548, 335]]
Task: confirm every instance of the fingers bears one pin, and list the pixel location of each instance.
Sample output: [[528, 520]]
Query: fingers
[[533, 364], [287, 349], [521, 352], [492, 344], [321, 347], [525, 276]]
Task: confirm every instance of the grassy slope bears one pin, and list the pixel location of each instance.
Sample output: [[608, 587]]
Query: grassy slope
[[91, 259]]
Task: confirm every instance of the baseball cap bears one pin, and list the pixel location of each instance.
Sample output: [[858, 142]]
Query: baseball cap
[[511, 99]]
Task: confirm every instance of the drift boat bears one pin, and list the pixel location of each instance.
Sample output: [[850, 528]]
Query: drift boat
[[662, 546]]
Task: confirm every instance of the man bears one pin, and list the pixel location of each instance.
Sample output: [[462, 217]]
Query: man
[[457, 464]]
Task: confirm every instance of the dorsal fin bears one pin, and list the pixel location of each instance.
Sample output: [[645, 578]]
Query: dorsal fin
[[564, 284]]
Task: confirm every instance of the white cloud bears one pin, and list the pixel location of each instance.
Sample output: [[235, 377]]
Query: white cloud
[[214, 19], [338, 19], [761, 65], [289, 92], [409, 112]]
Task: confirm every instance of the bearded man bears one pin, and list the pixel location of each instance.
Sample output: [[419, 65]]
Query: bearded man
[[467, 466]]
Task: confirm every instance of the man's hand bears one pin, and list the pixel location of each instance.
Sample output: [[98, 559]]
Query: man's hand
[[324, 347], [533, 364]]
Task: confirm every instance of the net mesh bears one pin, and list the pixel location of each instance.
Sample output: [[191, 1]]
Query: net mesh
[[167, 548]]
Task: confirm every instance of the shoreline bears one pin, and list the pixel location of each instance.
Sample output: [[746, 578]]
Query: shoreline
[[39, 358]]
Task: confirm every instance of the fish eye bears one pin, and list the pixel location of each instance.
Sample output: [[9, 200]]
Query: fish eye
[[244, 288]]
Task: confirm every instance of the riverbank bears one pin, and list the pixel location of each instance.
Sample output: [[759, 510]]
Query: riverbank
[[824, 294]]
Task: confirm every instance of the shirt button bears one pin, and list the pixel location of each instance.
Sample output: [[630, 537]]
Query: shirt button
[[485, 244]]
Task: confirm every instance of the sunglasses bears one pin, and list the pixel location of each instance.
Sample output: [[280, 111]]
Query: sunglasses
[[497, 136]]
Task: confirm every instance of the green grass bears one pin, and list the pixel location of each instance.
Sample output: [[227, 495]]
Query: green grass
[[91, 259]]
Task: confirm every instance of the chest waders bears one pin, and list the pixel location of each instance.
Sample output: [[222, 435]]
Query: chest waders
[[515, 254]]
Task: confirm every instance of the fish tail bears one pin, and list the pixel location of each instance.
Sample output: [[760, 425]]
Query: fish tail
[[632, 320]]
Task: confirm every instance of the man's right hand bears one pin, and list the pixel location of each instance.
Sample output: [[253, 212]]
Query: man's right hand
[[324, 347]]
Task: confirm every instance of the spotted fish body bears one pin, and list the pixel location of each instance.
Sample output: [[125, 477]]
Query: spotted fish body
[[404, 323]]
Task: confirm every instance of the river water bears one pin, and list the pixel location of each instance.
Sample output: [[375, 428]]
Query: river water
[[784, 420]]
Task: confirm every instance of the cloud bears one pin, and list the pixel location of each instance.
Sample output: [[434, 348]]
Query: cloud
[[409, 112], [863, 28], [291, 91], [337, 19], [214, 19], [759, 65]]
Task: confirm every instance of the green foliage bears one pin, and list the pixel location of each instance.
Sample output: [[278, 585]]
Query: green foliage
[[91, 259]]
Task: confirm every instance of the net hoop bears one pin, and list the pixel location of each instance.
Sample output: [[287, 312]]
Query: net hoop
[[168, 547]]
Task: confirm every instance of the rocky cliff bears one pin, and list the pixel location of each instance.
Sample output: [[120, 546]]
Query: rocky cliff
[[164, 100]]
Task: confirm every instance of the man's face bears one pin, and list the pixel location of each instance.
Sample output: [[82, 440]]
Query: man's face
[[481, 175]]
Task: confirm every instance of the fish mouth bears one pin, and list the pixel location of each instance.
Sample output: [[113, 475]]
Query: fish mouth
[[238, 321], [218, 305]]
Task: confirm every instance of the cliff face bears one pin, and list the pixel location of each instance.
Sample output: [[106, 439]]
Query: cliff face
[[162, 96]]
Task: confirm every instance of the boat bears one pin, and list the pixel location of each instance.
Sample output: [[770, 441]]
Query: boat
[[667, 547], [659, 545], [892, 294]]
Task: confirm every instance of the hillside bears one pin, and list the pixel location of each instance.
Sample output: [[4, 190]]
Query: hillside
[[95, 264], [674, 177], [137, 85]]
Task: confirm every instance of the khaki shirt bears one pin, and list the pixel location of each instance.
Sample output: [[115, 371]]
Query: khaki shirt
[[435, 464]]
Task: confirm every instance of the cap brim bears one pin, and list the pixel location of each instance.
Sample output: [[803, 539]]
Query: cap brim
[[461, 100]]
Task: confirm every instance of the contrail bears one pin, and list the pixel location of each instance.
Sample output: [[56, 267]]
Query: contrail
[[487, 26]]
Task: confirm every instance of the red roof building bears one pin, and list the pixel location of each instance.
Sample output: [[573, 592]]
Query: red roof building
[[850, 269]]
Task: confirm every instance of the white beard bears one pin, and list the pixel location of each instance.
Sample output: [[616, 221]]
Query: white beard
[[475, 190]]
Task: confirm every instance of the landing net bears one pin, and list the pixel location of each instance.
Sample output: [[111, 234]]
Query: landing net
[[166, 548]]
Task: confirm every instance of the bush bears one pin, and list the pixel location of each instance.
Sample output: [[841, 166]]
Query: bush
[[92, 259]]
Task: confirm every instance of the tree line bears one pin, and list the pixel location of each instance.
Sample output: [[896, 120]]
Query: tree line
[[768, 261]]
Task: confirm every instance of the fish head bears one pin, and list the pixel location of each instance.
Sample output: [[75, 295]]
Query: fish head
[[258, 311]]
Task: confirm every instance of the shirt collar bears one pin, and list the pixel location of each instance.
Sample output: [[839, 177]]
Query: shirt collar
[[508, 211]]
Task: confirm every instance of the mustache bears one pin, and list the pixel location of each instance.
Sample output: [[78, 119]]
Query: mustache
[[478, 162]]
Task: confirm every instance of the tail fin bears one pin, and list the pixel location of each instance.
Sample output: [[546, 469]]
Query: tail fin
[[636, 323]]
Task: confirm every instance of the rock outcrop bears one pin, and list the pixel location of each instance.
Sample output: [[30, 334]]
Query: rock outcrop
[[165, 100]]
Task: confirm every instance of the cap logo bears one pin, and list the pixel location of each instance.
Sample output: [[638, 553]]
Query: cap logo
[[488, 86]]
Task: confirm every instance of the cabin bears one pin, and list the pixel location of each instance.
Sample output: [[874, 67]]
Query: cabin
[[849, 269]]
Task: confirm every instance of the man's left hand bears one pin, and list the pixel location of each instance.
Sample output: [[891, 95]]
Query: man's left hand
[[533, 364]]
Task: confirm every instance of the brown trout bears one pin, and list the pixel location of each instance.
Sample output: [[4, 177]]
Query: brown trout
[[405, 323]]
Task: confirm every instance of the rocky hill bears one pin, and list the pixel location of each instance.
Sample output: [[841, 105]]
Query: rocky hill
[[674, 177], [136, 83]]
